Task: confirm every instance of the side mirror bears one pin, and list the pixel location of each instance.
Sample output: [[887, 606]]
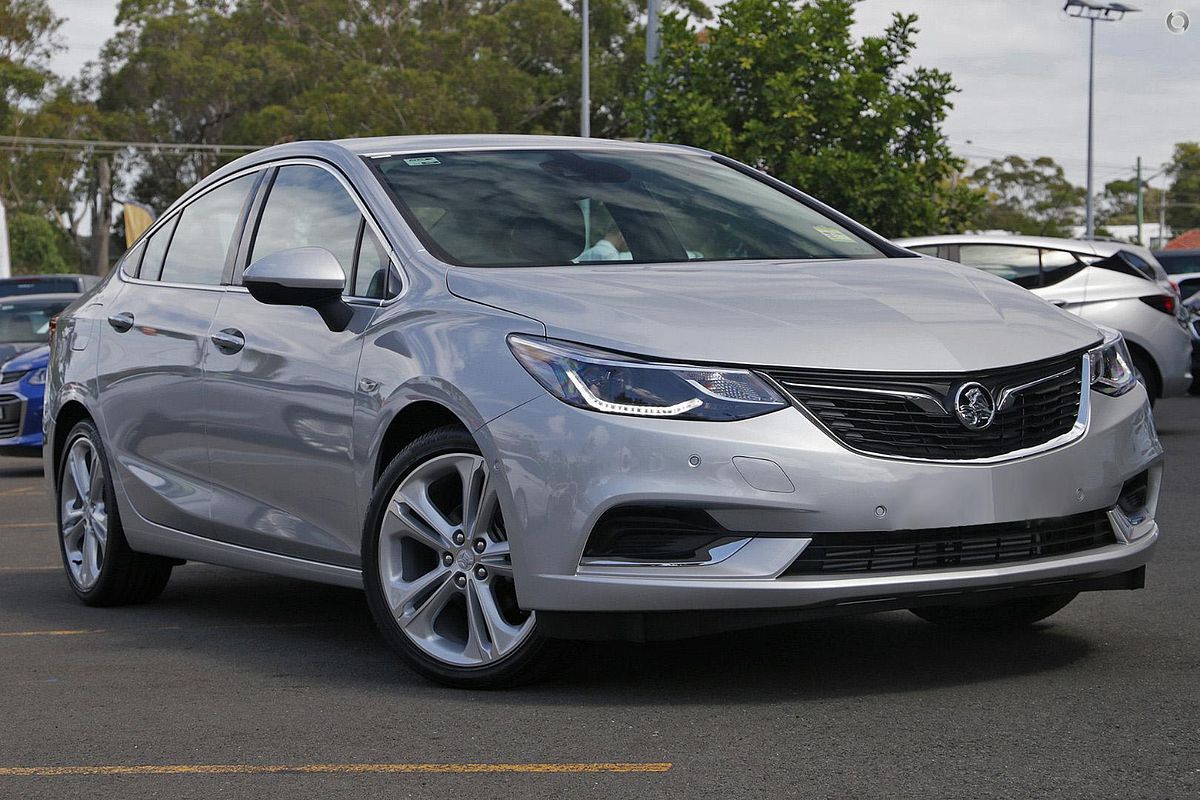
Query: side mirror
[[301, 276]]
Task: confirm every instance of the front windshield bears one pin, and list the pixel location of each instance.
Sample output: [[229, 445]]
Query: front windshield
[[28, 321], [518, 208]]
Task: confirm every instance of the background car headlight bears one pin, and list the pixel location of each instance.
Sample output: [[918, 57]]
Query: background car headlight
[[37, 377], [1112, 367], [616, 384]]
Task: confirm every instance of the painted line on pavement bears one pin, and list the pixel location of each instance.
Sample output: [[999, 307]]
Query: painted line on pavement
[[55, 568], [331, 769], [159, 628], [26, 524]]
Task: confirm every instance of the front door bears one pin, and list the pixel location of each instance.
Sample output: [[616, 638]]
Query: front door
[[281, 390]]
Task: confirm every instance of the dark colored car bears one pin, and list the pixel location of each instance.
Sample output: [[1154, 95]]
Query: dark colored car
[[25, 321], [1184, 268], [46, 284]]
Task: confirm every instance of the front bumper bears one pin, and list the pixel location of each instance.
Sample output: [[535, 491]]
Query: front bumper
[[562, 468], [20, 422]]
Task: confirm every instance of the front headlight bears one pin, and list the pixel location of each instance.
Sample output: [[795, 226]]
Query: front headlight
[[616, 384], [1112, 367], [37, 377]]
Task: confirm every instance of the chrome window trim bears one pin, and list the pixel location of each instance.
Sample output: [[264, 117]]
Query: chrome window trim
[[1082, 421], [256, 168], [368, 215]]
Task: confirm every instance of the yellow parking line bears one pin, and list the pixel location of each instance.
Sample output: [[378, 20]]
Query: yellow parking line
[[329, 769], [26, 524], [21, 490], [158, 628], [55, 568]]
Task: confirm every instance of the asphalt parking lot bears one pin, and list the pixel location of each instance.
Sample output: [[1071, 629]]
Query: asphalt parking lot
[[241, 685]]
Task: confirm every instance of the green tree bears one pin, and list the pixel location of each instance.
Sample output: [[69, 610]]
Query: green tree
[[28, 31], [1183, 198], [38, 246], [1030, 197], [266, 71], [785, 87], [1117, 204]]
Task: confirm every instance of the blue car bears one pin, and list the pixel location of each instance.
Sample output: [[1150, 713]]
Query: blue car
[[22, 386]]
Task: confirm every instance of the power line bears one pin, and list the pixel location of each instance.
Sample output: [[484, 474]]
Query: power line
[[108, 145]]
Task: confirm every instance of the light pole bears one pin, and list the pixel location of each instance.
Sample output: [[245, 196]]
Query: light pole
[[585, 100], [1093, 12]]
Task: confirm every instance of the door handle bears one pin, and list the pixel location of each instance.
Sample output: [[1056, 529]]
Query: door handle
[[121, 322], [229, 341]]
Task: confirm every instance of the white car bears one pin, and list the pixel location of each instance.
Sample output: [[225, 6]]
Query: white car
[[1115, 284]]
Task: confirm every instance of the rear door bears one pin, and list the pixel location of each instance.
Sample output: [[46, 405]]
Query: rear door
[[282, 402], [150, 380]]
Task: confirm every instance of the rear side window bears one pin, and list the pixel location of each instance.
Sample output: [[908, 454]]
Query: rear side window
[[1030, 267], [203, 234], [156, 249], [1021, 265], [132, 260]]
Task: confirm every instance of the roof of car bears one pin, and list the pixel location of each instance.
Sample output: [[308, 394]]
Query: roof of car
[[52, 276], [384, 145], [1100, 247], [42, 298]]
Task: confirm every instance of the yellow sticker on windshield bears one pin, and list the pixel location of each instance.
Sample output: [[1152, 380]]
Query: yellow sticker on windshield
[[832, 234]]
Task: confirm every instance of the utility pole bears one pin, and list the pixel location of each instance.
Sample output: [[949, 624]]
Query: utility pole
[[653, 11], [100, 217], [1162, 219], [1093, 12], [1140, 206], [585, 116]]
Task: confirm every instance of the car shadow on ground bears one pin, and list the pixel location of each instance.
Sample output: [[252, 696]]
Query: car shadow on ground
[[213, 613]]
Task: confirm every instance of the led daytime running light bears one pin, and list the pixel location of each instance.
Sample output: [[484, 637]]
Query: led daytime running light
[[625, 408]]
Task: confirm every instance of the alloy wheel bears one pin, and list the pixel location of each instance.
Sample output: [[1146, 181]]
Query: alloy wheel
[[445, 564], [84, 513]]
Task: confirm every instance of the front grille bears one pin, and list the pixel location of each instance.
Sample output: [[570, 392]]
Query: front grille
[[866, 411], [975, 545], [12, 375], [11, 408]]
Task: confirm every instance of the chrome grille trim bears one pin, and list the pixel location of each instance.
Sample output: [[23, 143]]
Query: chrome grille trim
[[1076, 431]]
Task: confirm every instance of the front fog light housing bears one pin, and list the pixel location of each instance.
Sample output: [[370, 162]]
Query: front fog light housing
[[1112, 366], [612, 383]]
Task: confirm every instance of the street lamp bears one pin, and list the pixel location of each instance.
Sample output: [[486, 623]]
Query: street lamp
[[1093, 12]]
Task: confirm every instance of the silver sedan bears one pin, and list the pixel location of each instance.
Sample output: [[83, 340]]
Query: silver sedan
[[525, 390]]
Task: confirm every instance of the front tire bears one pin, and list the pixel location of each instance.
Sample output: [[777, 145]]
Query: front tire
[[1014, 613], [101, 568], [438, 572]]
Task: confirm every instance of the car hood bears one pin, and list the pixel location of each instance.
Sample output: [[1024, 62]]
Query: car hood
[[9, 350], [899, 314], [35, 358]]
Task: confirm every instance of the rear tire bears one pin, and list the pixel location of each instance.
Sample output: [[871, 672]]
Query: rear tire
[[1006, 614], [101, 568], [438, 572]]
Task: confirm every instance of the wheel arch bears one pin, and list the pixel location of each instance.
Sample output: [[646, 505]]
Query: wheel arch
[[1136, 350], [69, 415], [410, 422]]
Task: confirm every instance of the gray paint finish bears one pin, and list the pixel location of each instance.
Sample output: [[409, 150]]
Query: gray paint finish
[[266, 458]]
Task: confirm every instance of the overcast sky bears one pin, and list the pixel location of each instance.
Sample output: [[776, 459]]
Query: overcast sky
[[1021, 66]]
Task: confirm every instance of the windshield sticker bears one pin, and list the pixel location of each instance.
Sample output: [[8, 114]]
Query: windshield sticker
[[424, 161], [832, 234]]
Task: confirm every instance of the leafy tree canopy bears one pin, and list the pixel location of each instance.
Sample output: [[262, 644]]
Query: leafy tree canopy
[[785, 87], [1183, 198], [1030, 197]]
